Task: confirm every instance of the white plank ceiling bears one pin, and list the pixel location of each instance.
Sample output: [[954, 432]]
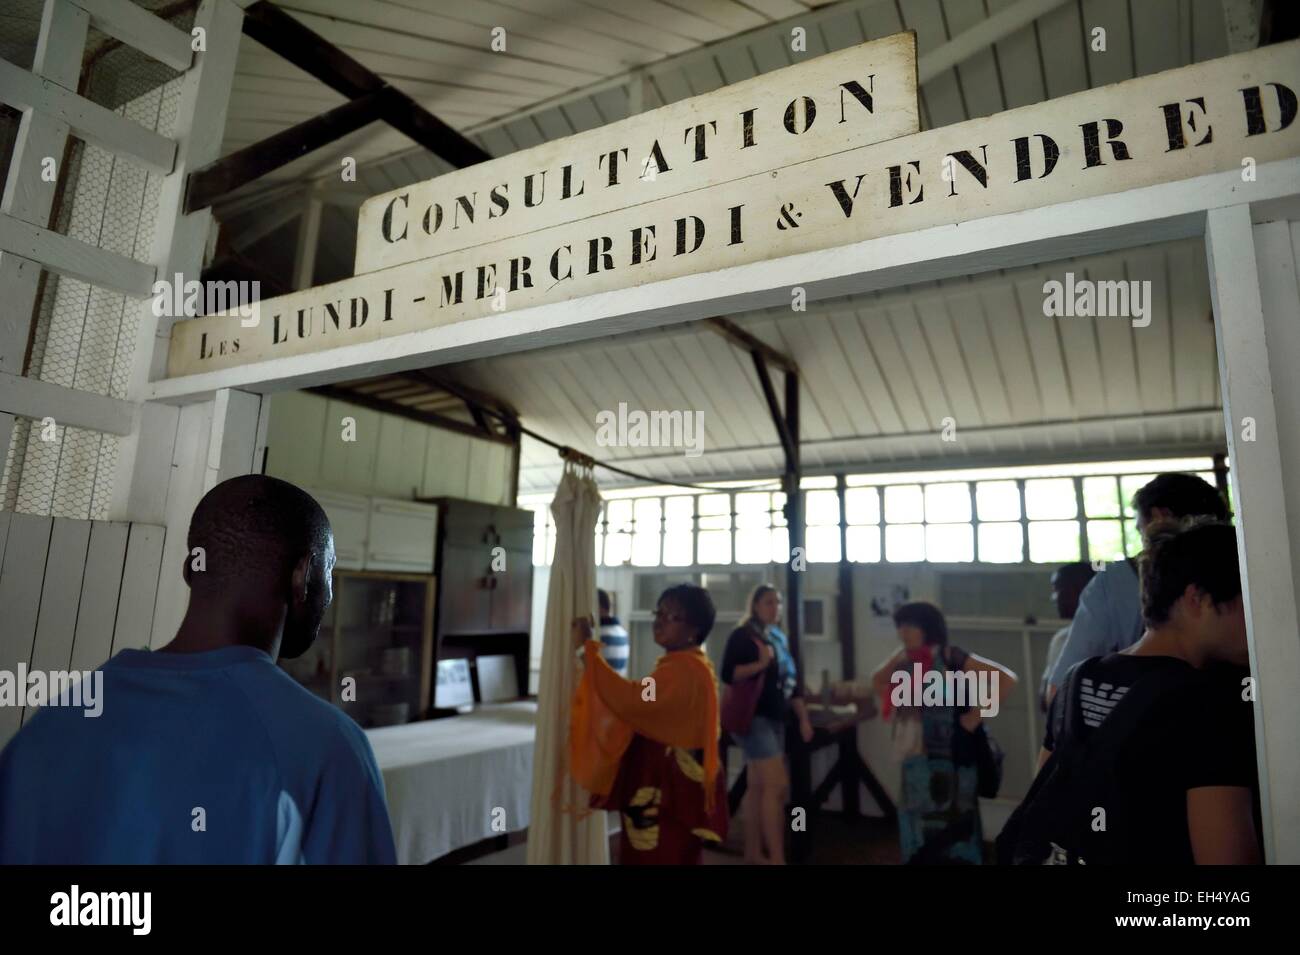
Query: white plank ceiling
[[569, 62], [880, 373]]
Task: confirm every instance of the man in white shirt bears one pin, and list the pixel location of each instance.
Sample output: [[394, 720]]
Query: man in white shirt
[[1109, 617]]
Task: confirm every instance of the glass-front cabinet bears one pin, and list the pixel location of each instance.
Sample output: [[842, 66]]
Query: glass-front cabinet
[[374, 655]]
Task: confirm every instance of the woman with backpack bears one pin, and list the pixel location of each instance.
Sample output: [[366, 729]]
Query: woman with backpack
[[941, 743]]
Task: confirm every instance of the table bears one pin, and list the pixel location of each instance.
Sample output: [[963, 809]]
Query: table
[[450, 781], [841, 730]]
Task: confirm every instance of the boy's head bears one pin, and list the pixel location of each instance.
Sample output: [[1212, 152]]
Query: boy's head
[[684, 617], [602, 598], [1068, 582], [1191, 581], [1174, 496], [268, 553]]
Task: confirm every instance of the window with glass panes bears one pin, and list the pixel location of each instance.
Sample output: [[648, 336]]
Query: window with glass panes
[[1043, 514], [821, 514]]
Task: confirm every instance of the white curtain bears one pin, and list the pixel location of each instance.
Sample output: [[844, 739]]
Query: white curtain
[[554, 835]]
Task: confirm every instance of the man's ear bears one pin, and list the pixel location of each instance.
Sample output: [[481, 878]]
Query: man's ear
[[301, 578], [1196, 598]]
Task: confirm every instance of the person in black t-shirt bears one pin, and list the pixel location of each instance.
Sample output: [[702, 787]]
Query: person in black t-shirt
[[1185, 779]]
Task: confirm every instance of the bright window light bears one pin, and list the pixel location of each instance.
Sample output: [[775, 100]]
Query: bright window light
[[904, 543], [947, 503], [904, 504], [862, 505], [864, 544], [823, 544], [1105, 540], [1053, 542], [949, 543], [1050, 499], [998, 500], [1001, 543], [1101, 497]]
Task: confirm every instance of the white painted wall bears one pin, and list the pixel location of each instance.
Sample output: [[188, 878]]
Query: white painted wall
[[391, 457], [74, 592]]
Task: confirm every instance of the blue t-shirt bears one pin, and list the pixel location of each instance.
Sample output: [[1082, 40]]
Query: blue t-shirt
[[280, 775], [1109, 618]]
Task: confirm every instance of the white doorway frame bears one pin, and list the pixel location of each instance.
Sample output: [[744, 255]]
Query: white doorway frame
[[1247, 226]]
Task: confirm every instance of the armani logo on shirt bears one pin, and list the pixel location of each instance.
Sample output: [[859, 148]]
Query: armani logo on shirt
[[1097, 701]]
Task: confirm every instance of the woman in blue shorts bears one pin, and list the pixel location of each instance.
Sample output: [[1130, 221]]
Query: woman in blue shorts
[[758, 649]]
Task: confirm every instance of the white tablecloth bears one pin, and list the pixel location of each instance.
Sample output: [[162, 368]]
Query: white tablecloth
[[445, 778]]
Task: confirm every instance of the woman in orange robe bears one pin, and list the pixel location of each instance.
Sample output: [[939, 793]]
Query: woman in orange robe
[[648, 749]]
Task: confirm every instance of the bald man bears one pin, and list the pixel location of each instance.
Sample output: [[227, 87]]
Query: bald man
[[205, 751]]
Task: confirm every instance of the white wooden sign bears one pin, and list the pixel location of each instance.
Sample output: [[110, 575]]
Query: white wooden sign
[[817, 108], [1237, 112]]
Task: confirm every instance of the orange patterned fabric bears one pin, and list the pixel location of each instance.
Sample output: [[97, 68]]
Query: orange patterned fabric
[[680, 708]]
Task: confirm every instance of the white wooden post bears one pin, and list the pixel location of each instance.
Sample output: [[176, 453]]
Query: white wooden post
[[214, 440], [1250, 329], [27, 194], [167, 462]]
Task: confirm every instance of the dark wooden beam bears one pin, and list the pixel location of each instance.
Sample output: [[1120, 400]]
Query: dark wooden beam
[[403, 411], [515, 454], [467, 393], [778, 417], [801, 787], [309, 51], [476, 412], [844, 595], [750, 343], [205, 186], [795, 520], [282, 34]]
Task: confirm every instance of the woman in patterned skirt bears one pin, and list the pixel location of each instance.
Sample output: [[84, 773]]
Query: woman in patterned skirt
[[938, 813]]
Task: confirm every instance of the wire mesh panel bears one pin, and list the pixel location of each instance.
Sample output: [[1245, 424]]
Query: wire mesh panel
[[84, 337]]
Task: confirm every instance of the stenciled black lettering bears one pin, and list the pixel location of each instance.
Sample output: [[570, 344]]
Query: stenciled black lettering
[[386, 223], [1092, 143]]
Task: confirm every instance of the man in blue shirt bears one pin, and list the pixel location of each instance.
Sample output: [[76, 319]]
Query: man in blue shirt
[[1109, 617], [205, 750]]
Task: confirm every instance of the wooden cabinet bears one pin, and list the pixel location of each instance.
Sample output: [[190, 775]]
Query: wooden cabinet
[[349, 516], [380, 534], [467, 594], [401, 536], [374, 657], [485, 568], [484, 565], [480, 598]]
